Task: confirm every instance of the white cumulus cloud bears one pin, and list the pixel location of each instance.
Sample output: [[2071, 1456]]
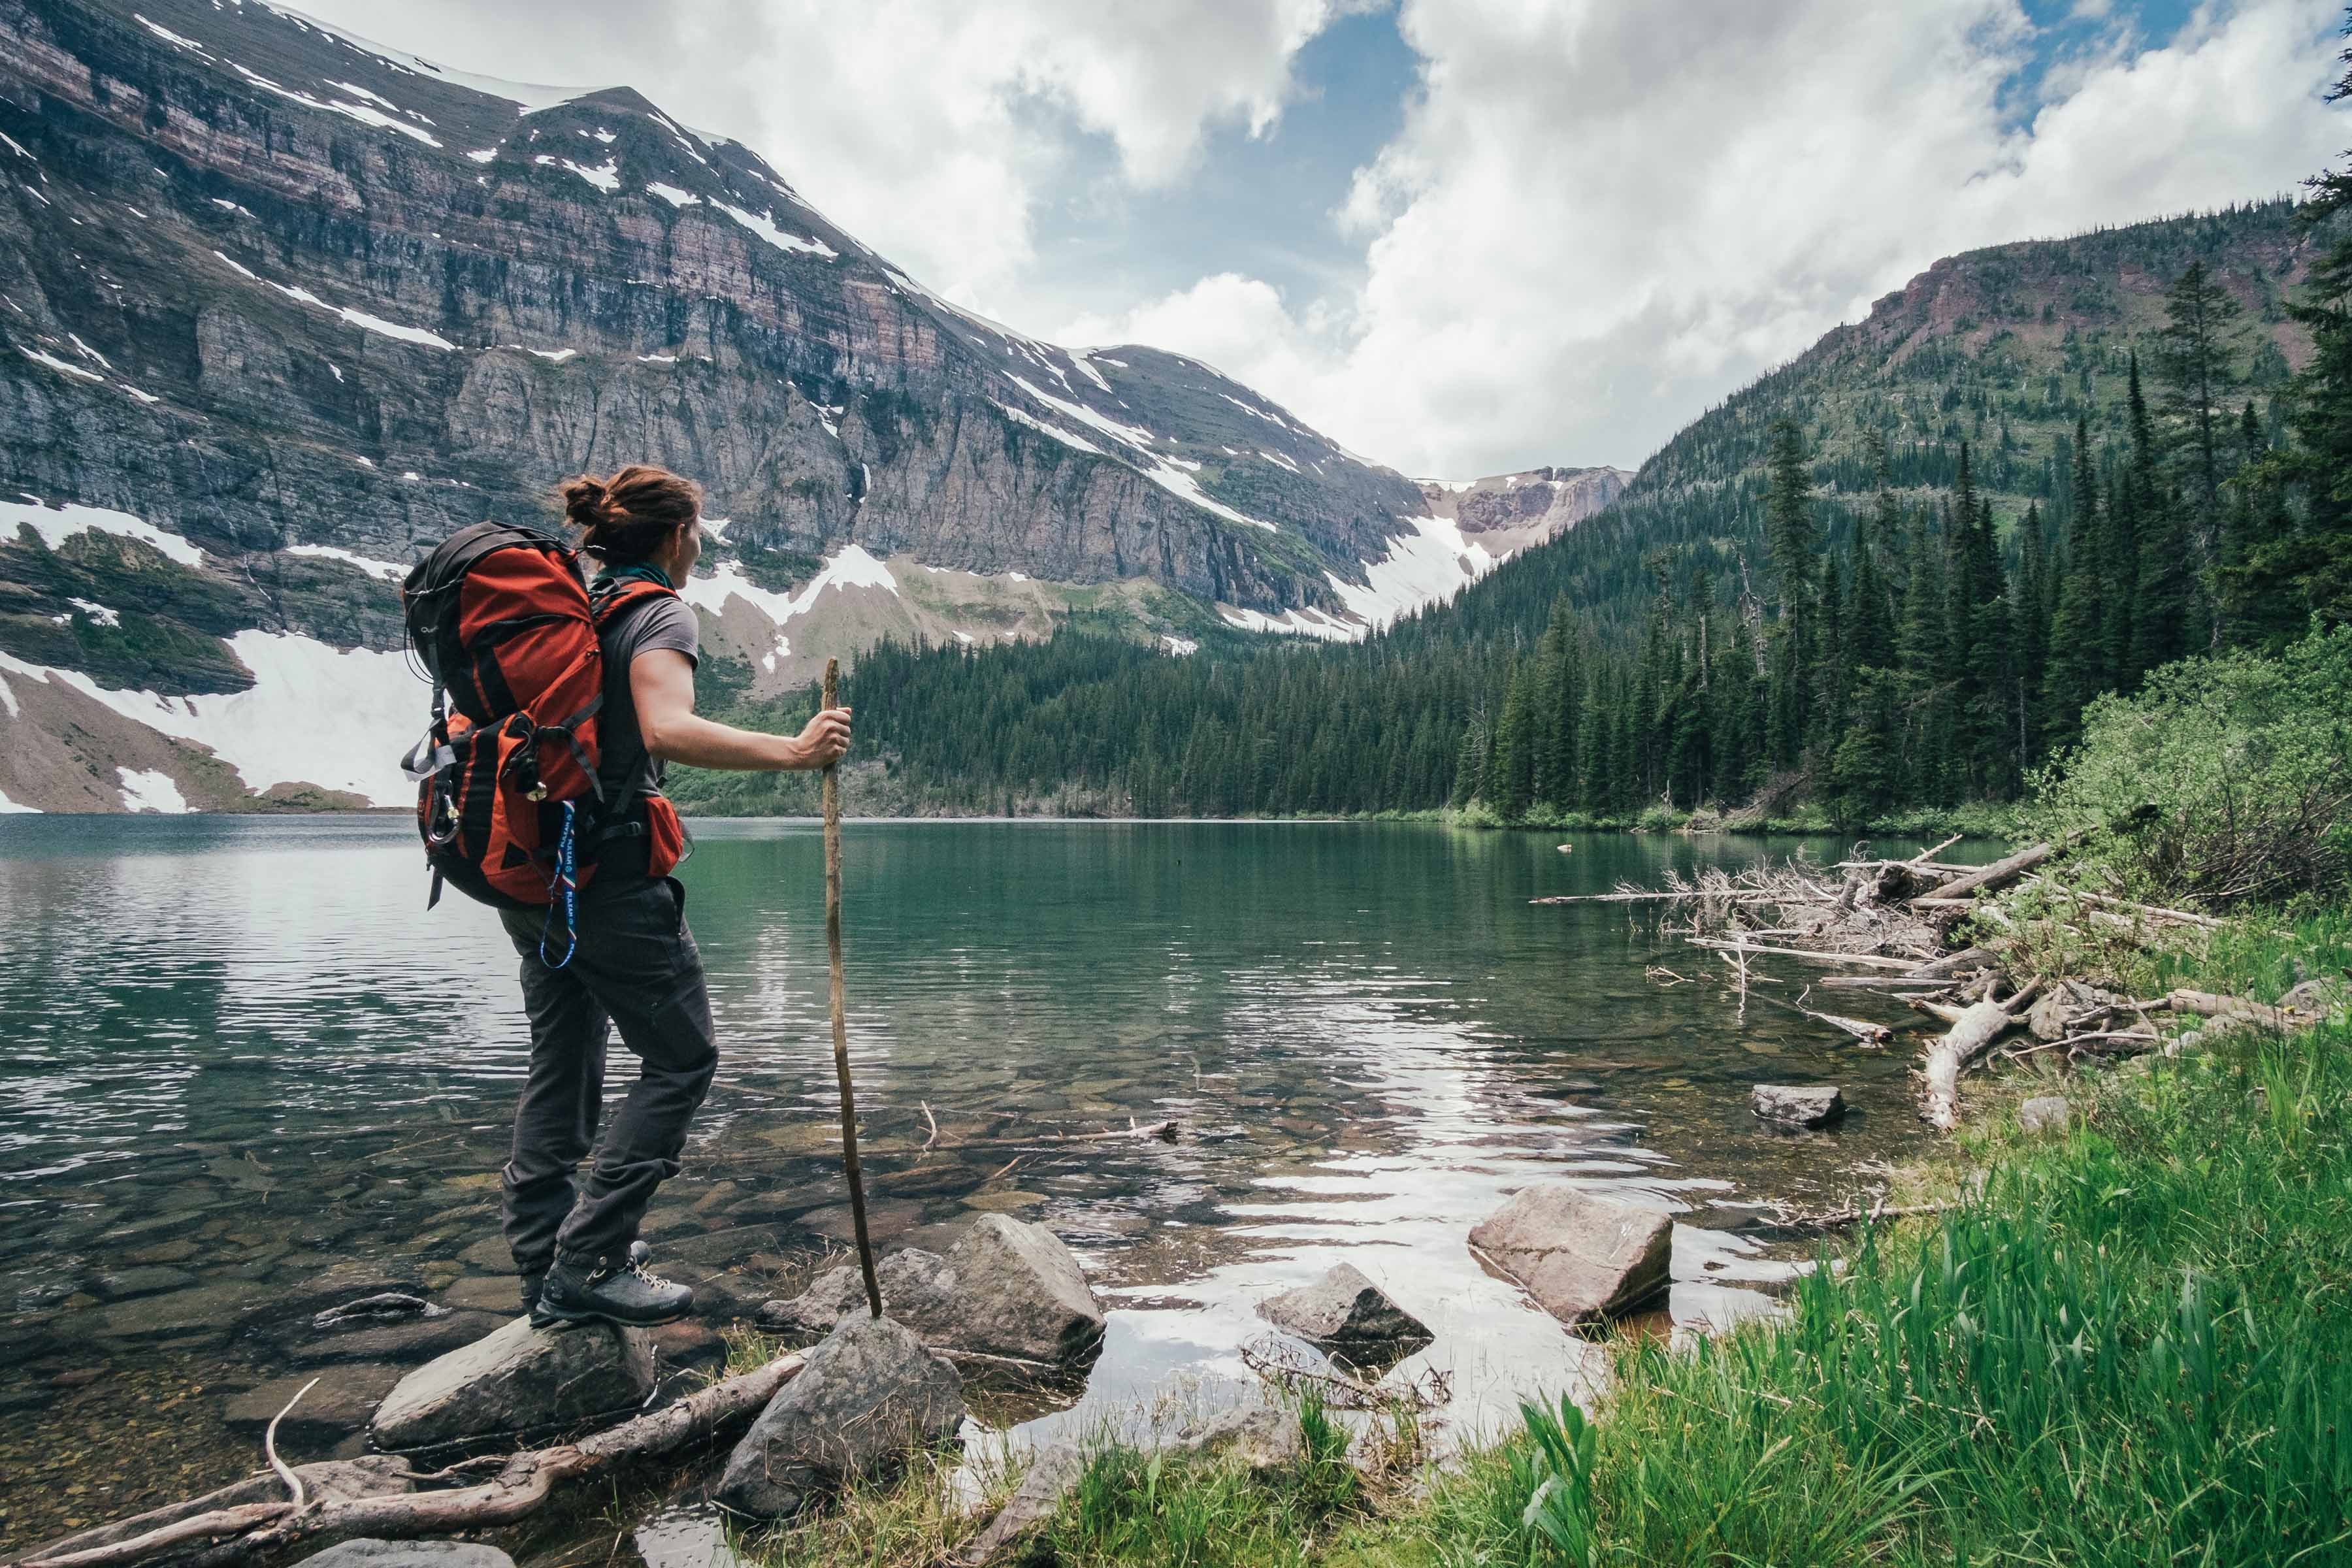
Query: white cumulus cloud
[[1594, 225]]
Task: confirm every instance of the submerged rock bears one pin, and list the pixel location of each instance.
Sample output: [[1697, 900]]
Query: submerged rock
[[519, 1379], [2047, 1112], [1346, 1310], [339, 1405], [867, 1397], [410, 1341], [1800, 1105], [1004, 1288], [1581, 1255], [369, 1552]]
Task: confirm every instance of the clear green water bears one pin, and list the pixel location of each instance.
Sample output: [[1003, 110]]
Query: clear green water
[[241, 1052]]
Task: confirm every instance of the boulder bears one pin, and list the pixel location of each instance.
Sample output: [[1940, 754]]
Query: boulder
[[520, 1379], [1800, 1105], [2047, 1017], [2326, 995], [1052, 1472], [1581, 1255], [369, 1552], [2043, 1113], [1343, 1308], [866, 1397], [1004, 1288]]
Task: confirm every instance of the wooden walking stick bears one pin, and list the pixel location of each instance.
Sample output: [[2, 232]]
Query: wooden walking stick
[[840, 1007]]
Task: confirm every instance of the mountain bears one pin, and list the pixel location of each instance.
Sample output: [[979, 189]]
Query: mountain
[[1510, 512], [1634, 659], [282, 308]]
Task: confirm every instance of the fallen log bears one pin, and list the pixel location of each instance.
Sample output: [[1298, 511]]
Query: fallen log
[[2000, 874], [1973, 1030], [255, 1533], [1815, 955], [2207, 1004], [1869, 1033], [1951, 964]]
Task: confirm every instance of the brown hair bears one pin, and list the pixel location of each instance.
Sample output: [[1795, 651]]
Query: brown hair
[[630, 515]]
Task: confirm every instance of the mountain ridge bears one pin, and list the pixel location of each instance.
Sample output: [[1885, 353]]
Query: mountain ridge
[[309, 305]]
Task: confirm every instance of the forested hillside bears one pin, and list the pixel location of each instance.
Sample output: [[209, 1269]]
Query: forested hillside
[[1888, 575]]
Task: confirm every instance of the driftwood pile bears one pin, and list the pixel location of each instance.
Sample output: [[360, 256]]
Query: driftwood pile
[[382, 1497], [1886, 928]]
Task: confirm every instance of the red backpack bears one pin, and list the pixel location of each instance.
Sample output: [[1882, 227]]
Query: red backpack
[[507, 800]]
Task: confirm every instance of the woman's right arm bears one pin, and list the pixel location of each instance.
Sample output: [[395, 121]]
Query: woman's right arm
[[662, 682]]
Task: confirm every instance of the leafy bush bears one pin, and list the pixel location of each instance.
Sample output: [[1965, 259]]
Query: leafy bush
[[2227, 781]]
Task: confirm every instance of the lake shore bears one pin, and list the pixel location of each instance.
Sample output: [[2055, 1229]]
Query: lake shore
[[2118, 1344]]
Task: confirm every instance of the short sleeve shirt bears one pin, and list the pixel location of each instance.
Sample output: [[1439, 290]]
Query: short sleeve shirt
[[664, 622]]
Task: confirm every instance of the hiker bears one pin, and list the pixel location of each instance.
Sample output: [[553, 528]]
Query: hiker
[[632, 962]]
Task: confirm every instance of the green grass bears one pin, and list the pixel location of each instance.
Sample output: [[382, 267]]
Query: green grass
[[2130, 1349]]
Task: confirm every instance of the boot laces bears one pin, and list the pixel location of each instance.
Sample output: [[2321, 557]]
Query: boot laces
[[637, 1266]]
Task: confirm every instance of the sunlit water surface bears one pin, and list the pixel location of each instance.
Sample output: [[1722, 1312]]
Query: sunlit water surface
[[242, 1052]]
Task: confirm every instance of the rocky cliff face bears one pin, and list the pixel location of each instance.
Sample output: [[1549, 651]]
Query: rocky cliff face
[[296, 307], [1510, 512]]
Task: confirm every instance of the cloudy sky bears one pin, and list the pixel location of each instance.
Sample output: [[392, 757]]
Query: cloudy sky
[[1461, 237]]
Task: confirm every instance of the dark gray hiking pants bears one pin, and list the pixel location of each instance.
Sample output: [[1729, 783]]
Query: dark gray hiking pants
[[635, 966]]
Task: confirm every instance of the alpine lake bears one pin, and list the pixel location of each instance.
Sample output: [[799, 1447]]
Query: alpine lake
[[249, 1076]]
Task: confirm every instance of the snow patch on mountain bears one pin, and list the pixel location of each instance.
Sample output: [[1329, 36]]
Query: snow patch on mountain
[[386, 570], [57, 524], [1431, 564], [315, 714], [764, 225], [150, 790]]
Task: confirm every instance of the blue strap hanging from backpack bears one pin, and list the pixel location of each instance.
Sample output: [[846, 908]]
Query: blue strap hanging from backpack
[[567, 894]]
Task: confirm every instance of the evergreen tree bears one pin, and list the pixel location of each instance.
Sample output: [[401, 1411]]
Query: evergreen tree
[[2261, 602], [2029, 638], [1511, 761], [2077, 669], [2163, 618], [2316, 558], [1870, 629], [2196, 359], [1791, 541]]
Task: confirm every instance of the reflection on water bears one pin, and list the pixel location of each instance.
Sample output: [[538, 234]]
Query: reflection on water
[[243, 1054]]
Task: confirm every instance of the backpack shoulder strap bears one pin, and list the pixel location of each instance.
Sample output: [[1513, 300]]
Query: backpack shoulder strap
[[611, 602]]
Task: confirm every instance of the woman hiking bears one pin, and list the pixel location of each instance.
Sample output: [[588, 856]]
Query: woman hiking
[[633, 965]]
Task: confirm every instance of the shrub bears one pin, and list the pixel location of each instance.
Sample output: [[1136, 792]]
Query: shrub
[[2226, 781]]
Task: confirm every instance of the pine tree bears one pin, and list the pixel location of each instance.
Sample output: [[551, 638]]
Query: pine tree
[[2163, 612], [1791, 541], [1510, 763], [2261, 603], [1870, 629], [2196, 359], [2029, 638], [2317, 559], [2078, 669]]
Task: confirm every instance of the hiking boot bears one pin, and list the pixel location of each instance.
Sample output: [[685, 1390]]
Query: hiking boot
[[533, 1280], [579, 1292]]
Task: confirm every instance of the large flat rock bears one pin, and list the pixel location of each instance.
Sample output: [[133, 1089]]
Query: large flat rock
[[869, 1395], [1004, 1288], [519, 1379], [1581, 1255]]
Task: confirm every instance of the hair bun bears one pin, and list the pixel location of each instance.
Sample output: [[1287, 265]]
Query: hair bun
[[585, 502], [629, 514]]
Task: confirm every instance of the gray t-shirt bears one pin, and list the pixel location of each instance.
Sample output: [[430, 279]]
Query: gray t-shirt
[[658, 623]]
